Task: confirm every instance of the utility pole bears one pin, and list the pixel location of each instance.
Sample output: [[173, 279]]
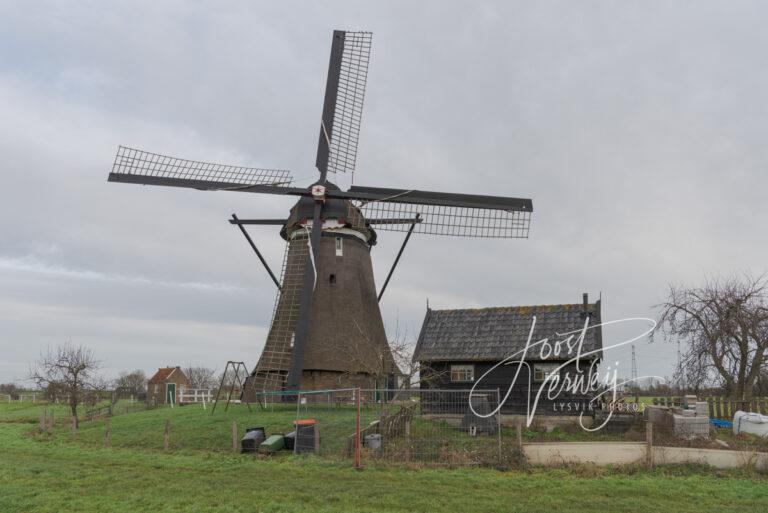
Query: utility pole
[[680, 383], [634, 375]]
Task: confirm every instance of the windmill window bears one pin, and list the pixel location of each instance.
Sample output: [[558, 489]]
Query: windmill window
[[541, 371], [339, 246], [332, 279], [462, 373]]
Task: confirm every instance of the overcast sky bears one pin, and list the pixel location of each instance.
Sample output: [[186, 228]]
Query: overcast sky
[[637, 128]]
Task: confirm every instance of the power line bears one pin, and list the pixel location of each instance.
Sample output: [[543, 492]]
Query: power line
[[634, 365]]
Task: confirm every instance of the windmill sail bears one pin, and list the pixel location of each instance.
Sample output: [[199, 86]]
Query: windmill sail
[[343, 104], [138, 166], [275, 360], [459, 215]]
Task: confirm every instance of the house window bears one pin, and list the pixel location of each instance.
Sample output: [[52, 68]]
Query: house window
[[339, 246], [542, 370], [462, 373]]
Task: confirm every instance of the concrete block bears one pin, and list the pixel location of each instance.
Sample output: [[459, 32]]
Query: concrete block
[[658, 415], [691, 427]]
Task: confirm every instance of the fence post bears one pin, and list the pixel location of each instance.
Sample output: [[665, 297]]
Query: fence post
[[234, 436], [357, 433], [408, 440], [106, 432], [50, 423], [74, 425], [649, 444], [498, 421], [519, 427], [43, 419], [296, 424], [167, 434]]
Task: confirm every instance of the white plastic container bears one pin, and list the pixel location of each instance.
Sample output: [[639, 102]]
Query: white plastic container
[[745, 422]]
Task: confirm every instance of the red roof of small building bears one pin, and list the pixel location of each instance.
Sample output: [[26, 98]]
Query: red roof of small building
[[162, 374]]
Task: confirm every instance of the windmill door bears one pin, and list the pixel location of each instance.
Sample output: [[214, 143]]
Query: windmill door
[[170, 393]]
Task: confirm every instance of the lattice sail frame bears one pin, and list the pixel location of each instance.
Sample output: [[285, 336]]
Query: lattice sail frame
[[345, 131], [131, 161], [274, 363], [450, 221]]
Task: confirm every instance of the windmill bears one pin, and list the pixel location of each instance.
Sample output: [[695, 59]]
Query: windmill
[[326, 327]]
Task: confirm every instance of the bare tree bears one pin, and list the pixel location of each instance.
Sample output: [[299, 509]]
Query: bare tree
[[724, 326], [201, 377], [10, 389], [69, 370], [761, 385], [396, 358], [131, 383]]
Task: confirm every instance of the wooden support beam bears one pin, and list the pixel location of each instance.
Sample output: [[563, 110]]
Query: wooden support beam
[[649, 444]]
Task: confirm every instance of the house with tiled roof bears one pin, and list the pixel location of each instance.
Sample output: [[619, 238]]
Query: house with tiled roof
[[166, 386], [539, 344]]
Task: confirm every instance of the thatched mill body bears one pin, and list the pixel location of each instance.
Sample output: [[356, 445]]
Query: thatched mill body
[[327, 330]]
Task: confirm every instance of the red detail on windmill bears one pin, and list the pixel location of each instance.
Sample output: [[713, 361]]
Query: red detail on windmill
[[318, 193]]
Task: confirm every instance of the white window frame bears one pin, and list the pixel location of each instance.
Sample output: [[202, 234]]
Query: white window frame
[[542, 370], [457, 370], [339, 246]]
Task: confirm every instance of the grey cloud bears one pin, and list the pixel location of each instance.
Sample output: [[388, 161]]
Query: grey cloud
[[638, 130]]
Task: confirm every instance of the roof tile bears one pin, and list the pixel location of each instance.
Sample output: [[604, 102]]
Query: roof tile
[[481, 334]]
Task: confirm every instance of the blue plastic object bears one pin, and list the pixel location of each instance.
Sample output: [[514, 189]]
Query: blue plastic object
[[721, 423]]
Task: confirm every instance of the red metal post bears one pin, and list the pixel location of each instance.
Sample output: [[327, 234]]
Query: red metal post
[[357, 434]]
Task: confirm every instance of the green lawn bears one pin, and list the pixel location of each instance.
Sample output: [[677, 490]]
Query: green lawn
[[58, 476], [40, 473], [193, 429]]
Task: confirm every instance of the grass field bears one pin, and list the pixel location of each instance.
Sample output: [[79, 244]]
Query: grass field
[[57, 474]]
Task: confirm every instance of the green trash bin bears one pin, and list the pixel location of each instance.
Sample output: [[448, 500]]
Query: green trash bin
[[272, 444]]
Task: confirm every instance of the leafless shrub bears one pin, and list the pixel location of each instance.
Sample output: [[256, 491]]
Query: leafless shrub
[[201, 377]]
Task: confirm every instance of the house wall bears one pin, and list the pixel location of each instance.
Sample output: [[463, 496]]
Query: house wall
[[156, 391], [436, 375]]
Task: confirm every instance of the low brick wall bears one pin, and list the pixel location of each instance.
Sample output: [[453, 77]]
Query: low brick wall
[[599, 453], [624, 453], [713, 457]]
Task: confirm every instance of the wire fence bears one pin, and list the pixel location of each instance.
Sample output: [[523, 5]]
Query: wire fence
[[32, 397], [434, 427]]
